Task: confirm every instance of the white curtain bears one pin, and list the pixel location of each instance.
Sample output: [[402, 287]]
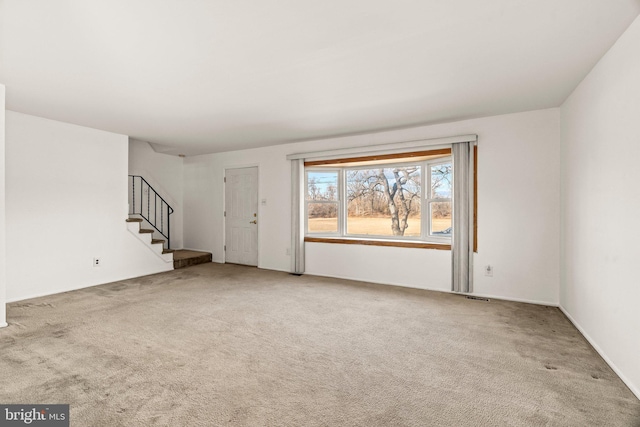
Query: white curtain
[[462, 240], [297, 216]]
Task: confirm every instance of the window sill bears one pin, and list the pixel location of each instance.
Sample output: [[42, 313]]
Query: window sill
[[391, 243]]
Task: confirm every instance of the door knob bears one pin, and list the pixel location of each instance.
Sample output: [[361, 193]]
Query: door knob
[[255, 221]]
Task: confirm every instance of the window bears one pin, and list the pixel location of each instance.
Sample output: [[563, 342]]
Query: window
[[322, 202], [439, 198], [381, 199]]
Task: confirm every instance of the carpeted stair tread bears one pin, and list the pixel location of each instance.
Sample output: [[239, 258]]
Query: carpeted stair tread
[[184, 258]]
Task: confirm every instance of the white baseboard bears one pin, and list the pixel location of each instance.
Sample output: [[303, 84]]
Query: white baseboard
[[447, 291], [283, 270], [602, 354], [402, 285], [84, 286], [524, 300]]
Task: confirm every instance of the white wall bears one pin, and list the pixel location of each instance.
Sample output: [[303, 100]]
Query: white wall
[[66, 203], [518, 209], [3, 294], [165, 174], [600, 289]]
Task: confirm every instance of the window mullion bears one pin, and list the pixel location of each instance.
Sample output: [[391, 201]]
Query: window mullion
[[425, 193], [342, 218]]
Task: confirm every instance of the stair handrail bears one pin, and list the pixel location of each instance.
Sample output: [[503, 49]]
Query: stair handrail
[[163, 204]]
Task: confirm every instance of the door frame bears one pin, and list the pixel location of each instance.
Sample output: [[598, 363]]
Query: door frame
[[224, 206]]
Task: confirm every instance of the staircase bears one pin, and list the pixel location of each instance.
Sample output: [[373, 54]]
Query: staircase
[[148, 209], [145, 202], [134, 225]]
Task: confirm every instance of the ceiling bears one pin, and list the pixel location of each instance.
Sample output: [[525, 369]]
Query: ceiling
[[194, 77]]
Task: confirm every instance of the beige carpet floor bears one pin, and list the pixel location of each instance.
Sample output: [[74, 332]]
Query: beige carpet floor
[[219, 345]]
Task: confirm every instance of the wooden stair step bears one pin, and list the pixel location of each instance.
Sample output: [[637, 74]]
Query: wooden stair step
[[168, 251], [157, 241], [134, 220], [145, 230]]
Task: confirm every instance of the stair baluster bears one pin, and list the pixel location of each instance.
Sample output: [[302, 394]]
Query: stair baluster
[[164, 228]]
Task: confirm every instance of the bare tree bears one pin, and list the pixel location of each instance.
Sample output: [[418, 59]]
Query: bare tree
[[361, 192], [389, 192], [441, 179], [312, 189], [400, 206], [317, 193]]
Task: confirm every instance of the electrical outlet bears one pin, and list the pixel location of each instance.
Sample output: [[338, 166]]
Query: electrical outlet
[[488, 270], [97, 262]]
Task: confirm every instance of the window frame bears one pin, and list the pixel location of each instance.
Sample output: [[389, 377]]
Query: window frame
[[429, 199], [337, 202], [425, 240], [345, 208]]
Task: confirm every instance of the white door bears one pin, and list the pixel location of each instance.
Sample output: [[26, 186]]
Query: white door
[[241, 216]]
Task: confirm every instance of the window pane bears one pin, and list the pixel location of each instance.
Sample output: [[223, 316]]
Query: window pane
[[384, 201], [441, 218], [441, 179], [322, 186], [323, 218]]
